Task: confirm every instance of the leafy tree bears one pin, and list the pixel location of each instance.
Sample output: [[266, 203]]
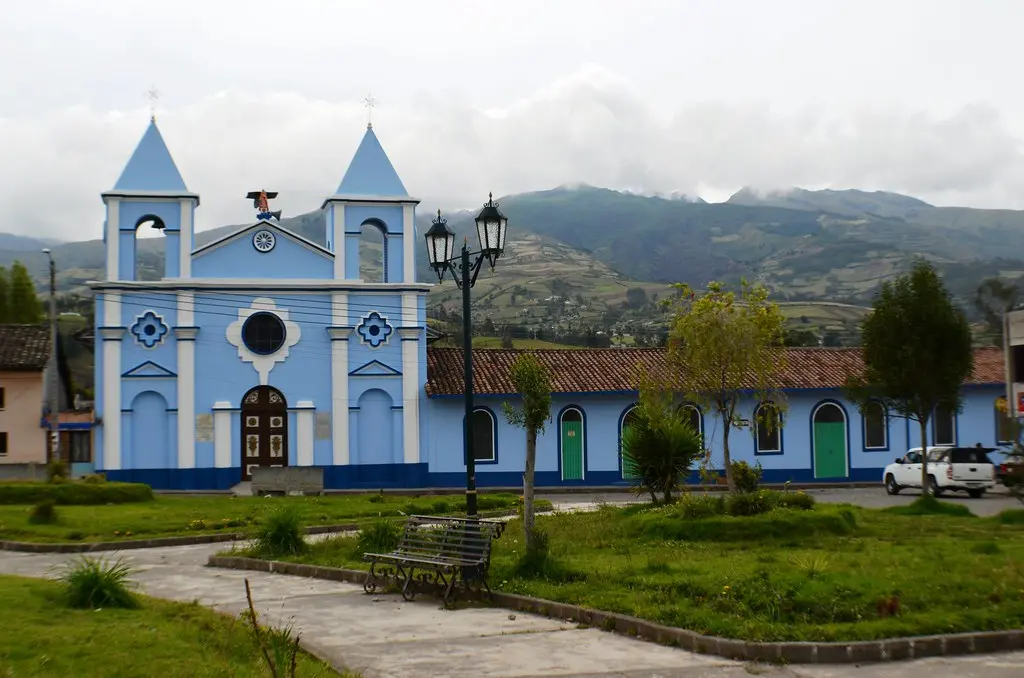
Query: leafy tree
[[992, 299], [722, 345], [917, 352], [660, 444], [4, 293], [489, 328], [800, 337], [23, 304], [533, 384], [636, 297]]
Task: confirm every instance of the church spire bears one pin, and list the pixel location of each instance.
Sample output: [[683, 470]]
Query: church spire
[[151, 167], [370, 173]]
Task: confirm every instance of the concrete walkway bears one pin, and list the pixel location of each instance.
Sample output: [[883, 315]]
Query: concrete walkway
[[381, 635]]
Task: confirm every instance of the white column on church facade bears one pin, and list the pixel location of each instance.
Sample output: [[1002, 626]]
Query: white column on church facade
[[222, 411], [305, 422], [339, 376], [113, 238], [410, 335], [408, 244], [338, 236], [185, 241], [185, 334], [111, 334]]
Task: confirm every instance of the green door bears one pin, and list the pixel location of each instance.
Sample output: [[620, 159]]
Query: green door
[[628, 472], [572, 446], [829, 442]]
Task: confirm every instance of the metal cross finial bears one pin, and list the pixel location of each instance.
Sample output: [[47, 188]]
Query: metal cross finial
[[369, 102], [153, 95]]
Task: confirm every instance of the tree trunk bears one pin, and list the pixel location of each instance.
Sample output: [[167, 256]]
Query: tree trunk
[[531, 460], [726, 427], [924, 455]]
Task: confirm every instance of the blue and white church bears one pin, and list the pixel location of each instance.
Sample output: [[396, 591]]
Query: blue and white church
[[264, 348], [261, 348]]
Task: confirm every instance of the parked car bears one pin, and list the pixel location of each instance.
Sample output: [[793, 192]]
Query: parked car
[[956, 469]]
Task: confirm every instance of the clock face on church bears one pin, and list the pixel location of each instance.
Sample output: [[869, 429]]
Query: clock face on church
[[263, 241]]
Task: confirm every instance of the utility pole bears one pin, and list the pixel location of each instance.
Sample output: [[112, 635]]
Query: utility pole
[[53, 385]]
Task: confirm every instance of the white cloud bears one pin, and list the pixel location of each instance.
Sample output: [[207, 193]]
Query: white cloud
[[591, 127]]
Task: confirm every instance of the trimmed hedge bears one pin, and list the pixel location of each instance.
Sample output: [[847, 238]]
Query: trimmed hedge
[[74, 493]]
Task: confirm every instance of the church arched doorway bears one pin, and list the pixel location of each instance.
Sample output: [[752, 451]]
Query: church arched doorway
[[264, 429]]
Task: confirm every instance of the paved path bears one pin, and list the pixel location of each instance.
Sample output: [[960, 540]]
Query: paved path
[[383, 636]]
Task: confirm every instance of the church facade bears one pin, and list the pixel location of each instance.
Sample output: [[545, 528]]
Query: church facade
[[263, 348]]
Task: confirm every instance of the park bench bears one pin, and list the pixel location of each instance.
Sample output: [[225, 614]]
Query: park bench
[[436, 552], [287, 480]]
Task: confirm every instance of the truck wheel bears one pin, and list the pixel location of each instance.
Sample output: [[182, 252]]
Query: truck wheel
[[976, 494], [933, 487], [890, 485]]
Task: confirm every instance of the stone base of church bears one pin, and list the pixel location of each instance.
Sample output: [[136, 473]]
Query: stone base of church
[[418, 477]]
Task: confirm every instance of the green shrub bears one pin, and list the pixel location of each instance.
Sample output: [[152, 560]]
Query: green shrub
[[281, 534], [90, 583], [795, 500], [930, 506], [779, 524], [56, 471], [94, 479], [693, 507], [659, 446], [74, 493], [43, 513], [1011, 517], [381, 536], [746, 477], [750, 503]]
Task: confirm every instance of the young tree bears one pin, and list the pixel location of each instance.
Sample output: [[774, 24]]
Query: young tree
[[993, 298], [533, 384], [917, 352], [24, 305], [660, 444], [721, 346]]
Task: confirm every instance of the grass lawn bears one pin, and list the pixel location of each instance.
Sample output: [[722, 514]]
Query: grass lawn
[[182, 515], [831, 573], [42, 637]]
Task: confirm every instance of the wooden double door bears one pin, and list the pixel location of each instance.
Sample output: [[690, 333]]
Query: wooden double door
[[264, 429]]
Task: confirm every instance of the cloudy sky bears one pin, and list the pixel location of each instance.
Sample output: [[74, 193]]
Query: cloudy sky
[[674, 96]]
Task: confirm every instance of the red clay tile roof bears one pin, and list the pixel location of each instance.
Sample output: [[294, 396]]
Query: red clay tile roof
[[24, 347], [596, 370]]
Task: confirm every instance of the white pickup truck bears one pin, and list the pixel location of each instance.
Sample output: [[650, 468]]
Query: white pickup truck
[[958, 469]]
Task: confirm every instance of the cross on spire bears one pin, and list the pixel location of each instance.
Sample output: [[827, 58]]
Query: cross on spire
[[153, 95], [369, 102]]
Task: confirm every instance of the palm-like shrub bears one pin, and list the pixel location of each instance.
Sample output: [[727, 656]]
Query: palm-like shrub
[[281, 534], [92, 583], [659, 445]]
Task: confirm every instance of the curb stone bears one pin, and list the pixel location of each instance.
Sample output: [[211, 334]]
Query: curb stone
[[185, 540], [853, 652]]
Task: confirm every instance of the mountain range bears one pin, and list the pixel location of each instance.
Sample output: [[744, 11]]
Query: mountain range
[[596, 244]]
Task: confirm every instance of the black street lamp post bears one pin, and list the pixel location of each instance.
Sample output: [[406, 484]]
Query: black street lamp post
[[490, 231]]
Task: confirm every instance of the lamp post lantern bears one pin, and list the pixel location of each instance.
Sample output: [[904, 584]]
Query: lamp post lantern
[[490, 230]]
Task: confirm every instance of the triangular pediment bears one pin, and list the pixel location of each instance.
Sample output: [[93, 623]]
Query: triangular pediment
[[375, 368], [272, 226], [149, 369]]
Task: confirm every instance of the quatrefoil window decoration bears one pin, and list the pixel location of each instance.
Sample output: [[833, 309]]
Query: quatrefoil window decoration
[[149, 329], [374, 330]]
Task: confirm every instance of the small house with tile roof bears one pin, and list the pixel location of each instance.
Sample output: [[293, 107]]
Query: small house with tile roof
[[819, 436], [25, 368], [264, 348]]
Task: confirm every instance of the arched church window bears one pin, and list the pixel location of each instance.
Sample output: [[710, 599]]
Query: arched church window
[[372, 251], [149, 252], [263, 333]]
